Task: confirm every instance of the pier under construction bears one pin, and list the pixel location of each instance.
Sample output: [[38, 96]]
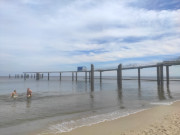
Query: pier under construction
[[89, 74]]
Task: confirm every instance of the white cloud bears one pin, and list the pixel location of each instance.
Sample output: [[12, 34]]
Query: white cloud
[[49, 32]]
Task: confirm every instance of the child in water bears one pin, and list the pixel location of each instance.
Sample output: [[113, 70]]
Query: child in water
[[14, 94], [29, 92]]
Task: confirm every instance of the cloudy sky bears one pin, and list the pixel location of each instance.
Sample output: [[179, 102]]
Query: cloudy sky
[[44, 35]]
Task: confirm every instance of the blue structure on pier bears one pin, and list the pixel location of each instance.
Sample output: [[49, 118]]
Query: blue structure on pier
[[83, 68]]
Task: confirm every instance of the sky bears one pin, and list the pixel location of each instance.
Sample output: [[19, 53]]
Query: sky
[[60, 35]]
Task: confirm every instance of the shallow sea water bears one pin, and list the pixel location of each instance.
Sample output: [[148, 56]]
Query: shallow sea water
[[60, 106]]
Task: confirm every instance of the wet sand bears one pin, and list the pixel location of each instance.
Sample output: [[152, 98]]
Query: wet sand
[[160, 120]]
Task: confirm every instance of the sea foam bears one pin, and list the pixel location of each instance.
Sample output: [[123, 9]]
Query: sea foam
[[88, 121], [164, 103]]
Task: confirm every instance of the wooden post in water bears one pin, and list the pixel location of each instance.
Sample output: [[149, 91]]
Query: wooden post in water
[[92, 77], [100, 76], [48, 75], [139, 75], [76, 76], [167, 74], [162, 77], [72, 76], [24, 76], [86, 76], [9, 76], [89, 76], [119, 75], [37, 76], [60, 76], [158, 75]]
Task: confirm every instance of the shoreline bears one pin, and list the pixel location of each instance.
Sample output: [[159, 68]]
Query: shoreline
[[161, 119]]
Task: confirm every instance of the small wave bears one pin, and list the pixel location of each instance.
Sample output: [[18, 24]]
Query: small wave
[[161, 103], [73, 124], [164, 103]]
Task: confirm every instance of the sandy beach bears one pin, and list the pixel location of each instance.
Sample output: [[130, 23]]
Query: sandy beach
[[160, 120]]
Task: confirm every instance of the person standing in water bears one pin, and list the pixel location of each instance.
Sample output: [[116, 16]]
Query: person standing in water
[[14, 94], [29, 92]]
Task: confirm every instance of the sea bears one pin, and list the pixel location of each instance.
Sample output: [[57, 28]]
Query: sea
[[58, 106]]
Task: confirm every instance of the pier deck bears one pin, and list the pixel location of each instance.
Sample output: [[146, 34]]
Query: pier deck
[[159, 66]]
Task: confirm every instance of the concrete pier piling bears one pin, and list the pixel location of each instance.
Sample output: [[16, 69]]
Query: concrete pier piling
[[92, 77], [167, 74], [60, 76], [100, 76], [76, 76], [139, 76], [119, 75], [159, 66], [158, 75], [37, 76], [25, 76], [89, 76], [86, 76], [72, 76], [162, 76]]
